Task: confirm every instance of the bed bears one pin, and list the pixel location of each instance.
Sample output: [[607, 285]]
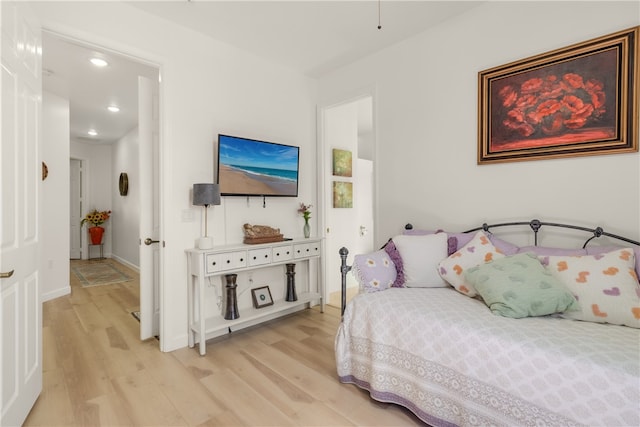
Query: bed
[[451, 361]]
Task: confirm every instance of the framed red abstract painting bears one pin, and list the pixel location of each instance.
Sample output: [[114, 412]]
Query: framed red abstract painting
[[575, 101]]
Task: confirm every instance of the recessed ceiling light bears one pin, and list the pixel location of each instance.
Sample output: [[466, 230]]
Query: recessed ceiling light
[[92, 132], [99, 62], [113, 108]]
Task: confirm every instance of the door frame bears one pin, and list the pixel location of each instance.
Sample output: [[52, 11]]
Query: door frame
[[151, 60], [82, 202], [324, 163]]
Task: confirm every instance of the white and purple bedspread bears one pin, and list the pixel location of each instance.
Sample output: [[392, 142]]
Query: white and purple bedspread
[[451, 361]]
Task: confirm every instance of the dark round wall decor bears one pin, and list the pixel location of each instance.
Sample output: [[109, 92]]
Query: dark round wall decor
[[123, 184]]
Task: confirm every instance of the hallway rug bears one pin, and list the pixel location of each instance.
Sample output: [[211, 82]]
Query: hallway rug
[[96, 274]]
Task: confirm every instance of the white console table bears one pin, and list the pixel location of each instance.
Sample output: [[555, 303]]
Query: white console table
[[203, 264]]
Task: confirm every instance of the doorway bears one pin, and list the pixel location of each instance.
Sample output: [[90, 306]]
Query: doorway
[[75, 208], [348, 128], [96, 161]]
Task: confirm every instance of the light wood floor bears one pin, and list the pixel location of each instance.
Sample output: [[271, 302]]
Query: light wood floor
[[98, 373]]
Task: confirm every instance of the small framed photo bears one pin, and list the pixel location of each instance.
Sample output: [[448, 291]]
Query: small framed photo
[[261, 297]]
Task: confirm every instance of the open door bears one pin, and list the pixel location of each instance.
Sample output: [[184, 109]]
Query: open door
[[347, 126], [150, 244], [21, 184]]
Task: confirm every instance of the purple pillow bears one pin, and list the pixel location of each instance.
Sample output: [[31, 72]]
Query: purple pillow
[[392, 251], [503, 246], [461, 238], [452, 245], [374, 272]]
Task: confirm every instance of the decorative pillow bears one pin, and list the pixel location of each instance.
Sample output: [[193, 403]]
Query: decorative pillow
[[392, 251], [519, 286], [374, 271], [597, 250], [420, 257], [503, 246], [479, 250], [542, 251], [605, 285], [452, 245]]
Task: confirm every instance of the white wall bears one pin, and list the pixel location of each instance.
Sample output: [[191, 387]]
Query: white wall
[[207, 88], [426, 99], [125, 223], [55, 197]]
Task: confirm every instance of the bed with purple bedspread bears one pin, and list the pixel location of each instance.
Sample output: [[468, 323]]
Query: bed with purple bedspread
[[452, 361]]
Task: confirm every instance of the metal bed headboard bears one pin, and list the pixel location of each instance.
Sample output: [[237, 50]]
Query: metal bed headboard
[[535, 225]]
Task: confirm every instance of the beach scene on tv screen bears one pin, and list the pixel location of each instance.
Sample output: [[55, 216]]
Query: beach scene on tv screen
[[248, 167]]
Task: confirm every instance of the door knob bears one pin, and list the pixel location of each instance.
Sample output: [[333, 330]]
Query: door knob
[[6, 275], [148, 241]]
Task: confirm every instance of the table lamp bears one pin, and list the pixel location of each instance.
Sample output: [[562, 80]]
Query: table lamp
[[206, 195]]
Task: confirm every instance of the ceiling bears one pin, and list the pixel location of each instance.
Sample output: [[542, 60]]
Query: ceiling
[[311, 37]]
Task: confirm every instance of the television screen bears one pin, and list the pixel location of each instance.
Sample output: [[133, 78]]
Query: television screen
[[247, 167]]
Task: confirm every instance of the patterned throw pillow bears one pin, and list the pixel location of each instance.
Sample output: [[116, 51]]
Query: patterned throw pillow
[[374, 271], [478, 251], [519, 286], [605, 285]]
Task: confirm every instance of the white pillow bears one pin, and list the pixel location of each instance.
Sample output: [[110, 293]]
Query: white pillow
[[478, 251], [420, 258], [605, 285]]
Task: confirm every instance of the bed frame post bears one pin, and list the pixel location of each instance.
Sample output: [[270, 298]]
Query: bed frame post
[[344, 269]]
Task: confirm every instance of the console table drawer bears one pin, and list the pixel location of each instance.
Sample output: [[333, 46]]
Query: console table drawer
[[259, 256], [282, 253], [225, 261], [305, 250]]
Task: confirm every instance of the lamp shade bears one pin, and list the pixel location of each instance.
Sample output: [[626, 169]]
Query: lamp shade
[[206, 194]]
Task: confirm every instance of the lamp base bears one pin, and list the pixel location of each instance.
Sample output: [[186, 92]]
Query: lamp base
[[205, 243]]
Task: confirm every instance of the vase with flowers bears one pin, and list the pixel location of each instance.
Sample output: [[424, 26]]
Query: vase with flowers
[[305, 210], [96, 219]]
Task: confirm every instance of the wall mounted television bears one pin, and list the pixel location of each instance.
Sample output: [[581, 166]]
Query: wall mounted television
[[249, 167]]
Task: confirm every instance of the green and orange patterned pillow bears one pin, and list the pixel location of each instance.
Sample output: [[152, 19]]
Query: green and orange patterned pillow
[[519, 286], [605, 285]]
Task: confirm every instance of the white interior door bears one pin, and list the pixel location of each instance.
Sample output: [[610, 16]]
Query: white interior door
[[149, 210], [75, 208], [20, 123]]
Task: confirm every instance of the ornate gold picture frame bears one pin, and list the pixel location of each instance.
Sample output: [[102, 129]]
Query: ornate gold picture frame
[[575, 101]]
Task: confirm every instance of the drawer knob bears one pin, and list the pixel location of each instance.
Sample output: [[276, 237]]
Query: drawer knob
[[254, 257], [213, 263], [277, 253], [228, 261], [266, 256]]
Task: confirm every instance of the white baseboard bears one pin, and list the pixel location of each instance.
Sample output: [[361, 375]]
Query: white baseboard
[[125, 262], [56, 293]]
